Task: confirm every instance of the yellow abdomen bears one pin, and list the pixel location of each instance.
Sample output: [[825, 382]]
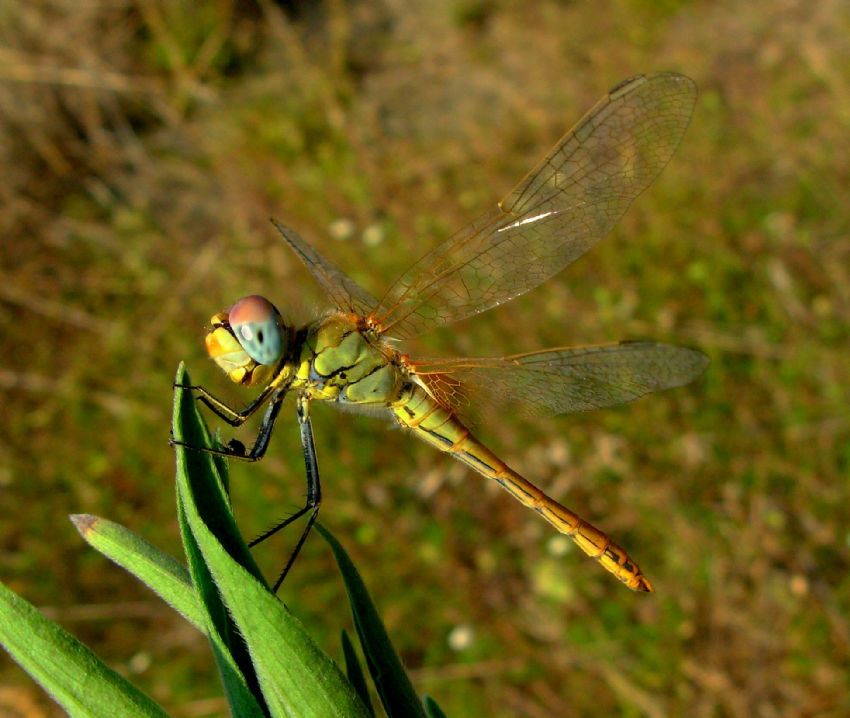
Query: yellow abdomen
[[417, 410]]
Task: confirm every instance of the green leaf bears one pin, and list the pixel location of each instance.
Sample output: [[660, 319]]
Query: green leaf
[[74, 676], [237, 674], [432, 709], [354, 671], [159, 571], [206, 475], [392, 682], [297, 679]]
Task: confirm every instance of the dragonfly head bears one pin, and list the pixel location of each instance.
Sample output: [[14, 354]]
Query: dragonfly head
[[248, 340]]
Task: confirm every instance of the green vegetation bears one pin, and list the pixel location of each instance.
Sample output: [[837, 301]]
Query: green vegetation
[[144, 146], [268, 664]]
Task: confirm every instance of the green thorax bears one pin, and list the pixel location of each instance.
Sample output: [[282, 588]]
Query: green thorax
[[337, 362]]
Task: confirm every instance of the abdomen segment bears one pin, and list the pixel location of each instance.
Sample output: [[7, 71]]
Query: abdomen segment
[[438, 426]]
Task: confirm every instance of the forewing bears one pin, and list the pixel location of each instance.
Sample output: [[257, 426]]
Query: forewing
[[345, 294], [564, 206], [567, 380]]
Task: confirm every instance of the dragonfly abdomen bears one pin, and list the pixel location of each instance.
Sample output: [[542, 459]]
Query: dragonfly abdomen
[[421, 413]]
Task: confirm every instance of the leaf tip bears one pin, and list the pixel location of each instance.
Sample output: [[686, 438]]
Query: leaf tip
[[84, 523]]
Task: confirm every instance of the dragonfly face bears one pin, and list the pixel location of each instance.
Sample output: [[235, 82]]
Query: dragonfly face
[[248, 340]]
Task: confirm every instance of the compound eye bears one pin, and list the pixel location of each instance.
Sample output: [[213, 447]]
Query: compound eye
[[256, 324]]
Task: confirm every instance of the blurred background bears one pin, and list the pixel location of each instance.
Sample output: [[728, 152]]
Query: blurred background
[[145, 143]]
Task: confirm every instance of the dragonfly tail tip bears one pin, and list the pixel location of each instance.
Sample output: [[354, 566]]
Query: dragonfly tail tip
[[644, 585]]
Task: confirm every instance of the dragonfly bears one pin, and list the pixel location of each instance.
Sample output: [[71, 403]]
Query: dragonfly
[[349, 355]]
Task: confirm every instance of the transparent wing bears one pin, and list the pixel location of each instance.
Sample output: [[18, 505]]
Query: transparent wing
[[561, 209], [346, 294], [562, 381]]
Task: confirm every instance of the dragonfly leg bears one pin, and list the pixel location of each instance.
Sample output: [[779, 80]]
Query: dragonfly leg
[[223, 410], [314, 491], [235, 449]]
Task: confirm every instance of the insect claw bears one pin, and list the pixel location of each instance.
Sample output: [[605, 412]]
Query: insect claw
[[236, 448]]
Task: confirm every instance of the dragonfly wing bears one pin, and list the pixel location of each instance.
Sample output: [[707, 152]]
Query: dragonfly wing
[[566, 380], [346, 294], [566, 204]]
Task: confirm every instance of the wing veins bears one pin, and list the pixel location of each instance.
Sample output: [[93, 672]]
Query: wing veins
[[346, 294], [570, 379], [612, 155], [498, 219]]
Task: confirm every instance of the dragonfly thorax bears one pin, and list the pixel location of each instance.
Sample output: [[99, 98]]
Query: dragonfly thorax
[[338, 362]]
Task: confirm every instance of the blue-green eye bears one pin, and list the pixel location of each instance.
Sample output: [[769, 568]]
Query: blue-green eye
[[256, 325]]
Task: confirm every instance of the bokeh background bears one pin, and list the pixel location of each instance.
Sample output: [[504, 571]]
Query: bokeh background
[[145, 143]]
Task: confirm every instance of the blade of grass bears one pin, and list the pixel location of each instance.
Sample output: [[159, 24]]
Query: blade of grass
[[241, 686], [392, 682], [74, 676], [156, 569], [296, 677], [432, 709], [208, 474], [354, 671]]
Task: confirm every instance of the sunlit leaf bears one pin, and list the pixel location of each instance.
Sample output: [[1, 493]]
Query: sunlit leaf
[[391, 681], [296, 678], [159, 571], [74, 676], [354, 671]]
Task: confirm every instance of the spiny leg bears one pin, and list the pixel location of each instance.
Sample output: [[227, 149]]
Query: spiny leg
[[314, 490], [235, 449], [222, 410]]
